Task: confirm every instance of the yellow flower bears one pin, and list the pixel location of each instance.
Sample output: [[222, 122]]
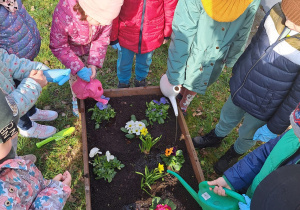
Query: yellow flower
[[160, 168], [144, 131], [169, 151]]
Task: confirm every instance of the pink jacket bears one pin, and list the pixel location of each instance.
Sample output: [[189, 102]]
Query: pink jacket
[[70, 38]]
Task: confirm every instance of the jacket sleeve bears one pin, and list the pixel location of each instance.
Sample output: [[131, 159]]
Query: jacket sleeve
[[114, 31], [59, 44], [54, 196], [99, 47], [169, 9], [185, 24], [280, 121], [239, 43], [28, 91], [241, 175]]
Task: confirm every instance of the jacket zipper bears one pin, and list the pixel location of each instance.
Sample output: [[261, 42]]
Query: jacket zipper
[[266, 51], [141, 28]]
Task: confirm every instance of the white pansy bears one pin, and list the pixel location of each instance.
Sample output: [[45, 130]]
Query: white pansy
[[94, 151], [109, 156], [139, 124], [129, 125]]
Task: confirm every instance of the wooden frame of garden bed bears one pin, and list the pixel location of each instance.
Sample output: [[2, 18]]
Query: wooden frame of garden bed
[[152, 90]]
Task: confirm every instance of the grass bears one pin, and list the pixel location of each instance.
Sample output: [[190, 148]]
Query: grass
[[56, 157]]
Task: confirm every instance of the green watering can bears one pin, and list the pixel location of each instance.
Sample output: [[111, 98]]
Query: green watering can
[[58, 136], [208, 200]]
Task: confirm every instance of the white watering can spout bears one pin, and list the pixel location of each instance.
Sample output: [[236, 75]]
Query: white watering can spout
[[170, 91]]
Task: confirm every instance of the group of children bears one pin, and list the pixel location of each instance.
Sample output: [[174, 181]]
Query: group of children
[[205, 37]]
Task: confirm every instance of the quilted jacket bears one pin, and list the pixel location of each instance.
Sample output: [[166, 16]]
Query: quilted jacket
[[142, 25], [71, 37], [13, 68], [19, 34], [266, 79]]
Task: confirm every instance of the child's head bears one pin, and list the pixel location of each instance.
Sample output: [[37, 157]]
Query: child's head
[[8, 124], [295, 121], [291, 10], [98, 11]]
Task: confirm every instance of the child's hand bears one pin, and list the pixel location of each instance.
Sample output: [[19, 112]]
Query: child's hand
[[39, 77], [58, 177], [165, 41], [85, 74], [219, 184], [66, 178], [94, 71]]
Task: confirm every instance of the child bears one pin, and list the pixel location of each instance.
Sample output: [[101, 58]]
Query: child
[[140, 28], [22, 184], [26, 93], [20, 36], [80, 34], [207, 35], [247, 174], [265, 85]]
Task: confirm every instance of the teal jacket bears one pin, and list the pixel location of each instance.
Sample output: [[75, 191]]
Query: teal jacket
[[14, 68], [201, 46]]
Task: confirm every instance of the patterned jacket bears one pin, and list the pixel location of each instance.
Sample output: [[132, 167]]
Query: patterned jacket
[[19, 34], [266, 78], [22, 186], [28, 91], [71, 37]]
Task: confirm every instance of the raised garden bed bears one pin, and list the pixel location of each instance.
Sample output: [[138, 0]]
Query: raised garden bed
[[124, 191]]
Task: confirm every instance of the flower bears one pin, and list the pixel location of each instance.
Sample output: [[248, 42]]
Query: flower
[[94, 151], [144, 131], [163, 100], [163, 207], [130, 125], [101, 106], [139, 124], [168, 151], [174, 151], [157, 102], [109, 156], [160, 168]]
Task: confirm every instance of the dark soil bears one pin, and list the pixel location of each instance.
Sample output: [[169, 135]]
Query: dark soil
[[124, 191]]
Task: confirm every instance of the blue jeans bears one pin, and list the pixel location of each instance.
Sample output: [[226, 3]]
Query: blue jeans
[[124, 65], [24, 122], [231, 116]]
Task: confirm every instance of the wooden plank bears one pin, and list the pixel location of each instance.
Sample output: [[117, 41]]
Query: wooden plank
[[152, 90], [85, 157], [190, 147]]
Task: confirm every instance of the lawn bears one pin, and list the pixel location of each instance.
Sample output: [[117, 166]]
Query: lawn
[[56, 157]]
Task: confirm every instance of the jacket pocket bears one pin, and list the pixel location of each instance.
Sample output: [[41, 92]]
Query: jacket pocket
[[267, 100]]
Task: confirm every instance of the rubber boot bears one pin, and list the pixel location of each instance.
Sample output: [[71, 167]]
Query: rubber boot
[[226, 161], [209, 140]]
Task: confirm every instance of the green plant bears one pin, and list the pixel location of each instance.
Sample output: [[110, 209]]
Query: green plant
[[173, 159], [134, 128], [157, 111], [160, 204], [150, 177], [101, 115], [104, 166], [147, 143]]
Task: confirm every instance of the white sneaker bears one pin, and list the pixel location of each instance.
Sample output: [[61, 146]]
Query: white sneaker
[[44, 115], [38, 131]]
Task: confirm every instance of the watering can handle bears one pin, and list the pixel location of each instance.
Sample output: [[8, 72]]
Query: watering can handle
[[230, 193]]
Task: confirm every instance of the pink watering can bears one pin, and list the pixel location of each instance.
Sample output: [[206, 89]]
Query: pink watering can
[[92, 89]]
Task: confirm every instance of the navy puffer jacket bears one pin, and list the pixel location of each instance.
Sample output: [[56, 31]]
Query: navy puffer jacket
[[19, 33], [266, 80]]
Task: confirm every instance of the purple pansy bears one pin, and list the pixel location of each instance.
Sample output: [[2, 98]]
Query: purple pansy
[[174, 151], [106, 98], [101, 106], [157, 102], [162, 100]]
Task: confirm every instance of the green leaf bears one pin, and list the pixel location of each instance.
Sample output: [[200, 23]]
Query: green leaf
[[133, 118], [130, 136], [124, 130]]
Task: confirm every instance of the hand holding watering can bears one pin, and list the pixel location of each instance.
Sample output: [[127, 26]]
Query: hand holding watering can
[[59, 76]]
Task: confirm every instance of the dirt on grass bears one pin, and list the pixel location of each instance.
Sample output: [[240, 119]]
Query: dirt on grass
[[124, 192]]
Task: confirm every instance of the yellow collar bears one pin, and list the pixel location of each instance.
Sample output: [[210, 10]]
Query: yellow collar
[[225, 10]]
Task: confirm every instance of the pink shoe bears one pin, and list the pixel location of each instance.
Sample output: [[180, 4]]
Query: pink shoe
[[44, 115], [38, 131]]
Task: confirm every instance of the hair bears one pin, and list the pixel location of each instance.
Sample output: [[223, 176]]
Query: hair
[[77, 8]]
